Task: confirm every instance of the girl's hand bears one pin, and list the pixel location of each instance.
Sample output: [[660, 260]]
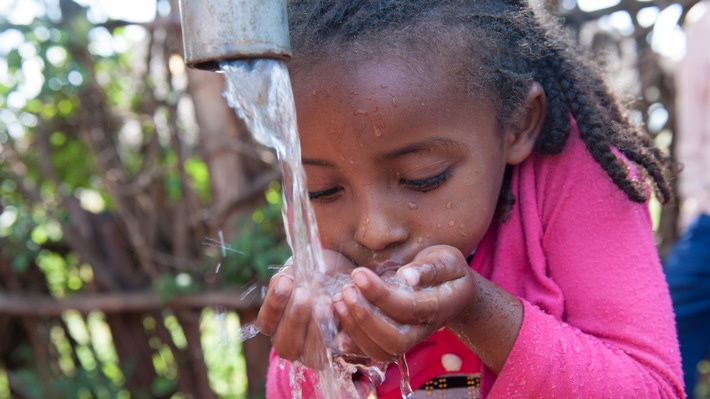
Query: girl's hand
[[291, 313], [385, 318]]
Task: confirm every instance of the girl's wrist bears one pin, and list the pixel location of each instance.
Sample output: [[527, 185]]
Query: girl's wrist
[[490, 324]]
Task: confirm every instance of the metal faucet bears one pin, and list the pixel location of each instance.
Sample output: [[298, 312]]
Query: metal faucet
[[217, 30]]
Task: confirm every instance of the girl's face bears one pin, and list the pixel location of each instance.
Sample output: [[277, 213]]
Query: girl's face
[[397, 160]]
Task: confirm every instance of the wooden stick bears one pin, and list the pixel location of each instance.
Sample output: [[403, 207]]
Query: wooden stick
[[125, 302]]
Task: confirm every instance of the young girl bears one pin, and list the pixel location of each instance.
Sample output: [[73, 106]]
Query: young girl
[[488, 197]]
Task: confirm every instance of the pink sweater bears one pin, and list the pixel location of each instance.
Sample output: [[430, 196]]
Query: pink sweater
[[598, 321]]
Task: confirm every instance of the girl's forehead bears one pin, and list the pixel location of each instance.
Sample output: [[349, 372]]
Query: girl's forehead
[[398, 79], [383, 103]]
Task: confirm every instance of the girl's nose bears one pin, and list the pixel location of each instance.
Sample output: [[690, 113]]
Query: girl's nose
[[380, 224]]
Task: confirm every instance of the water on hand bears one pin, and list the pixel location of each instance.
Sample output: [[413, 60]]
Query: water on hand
[[260, 92]]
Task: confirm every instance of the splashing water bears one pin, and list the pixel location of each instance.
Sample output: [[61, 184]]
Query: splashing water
[[404, 385], [260, 92]]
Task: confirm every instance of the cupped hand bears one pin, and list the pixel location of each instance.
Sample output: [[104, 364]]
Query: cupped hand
[[383, 318], [294, 312]]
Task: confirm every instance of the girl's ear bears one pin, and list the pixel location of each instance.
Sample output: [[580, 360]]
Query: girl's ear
[[522, 134]]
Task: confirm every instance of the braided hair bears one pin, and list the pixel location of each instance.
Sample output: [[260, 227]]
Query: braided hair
[[506, 46]]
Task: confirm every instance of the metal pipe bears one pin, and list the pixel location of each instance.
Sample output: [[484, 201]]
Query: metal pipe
[[216, 30]]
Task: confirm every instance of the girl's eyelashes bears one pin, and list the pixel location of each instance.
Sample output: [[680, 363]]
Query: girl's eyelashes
[[421, 185], [427, 184], [326, 195]]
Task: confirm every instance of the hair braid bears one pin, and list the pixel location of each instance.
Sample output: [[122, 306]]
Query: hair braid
[[557, 122], [594, 133]]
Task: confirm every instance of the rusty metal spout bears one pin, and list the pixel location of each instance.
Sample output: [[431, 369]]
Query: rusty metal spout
[[217, 30]]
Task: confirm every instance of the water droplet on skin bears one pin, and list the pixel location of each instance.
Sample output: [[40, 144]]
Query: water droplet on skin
[[413, 206], [360, 111], [452, 223], [449, 205], [378, 132], [461, 226]]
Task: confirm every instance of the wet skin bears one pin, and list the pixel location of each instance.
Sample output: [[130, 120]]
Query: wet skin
[[404, 172]]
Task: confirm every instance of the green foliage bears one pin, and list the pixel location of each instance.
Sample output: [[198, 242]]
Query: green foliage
[[91, 374], [16, 239], [222, 346], [73, 90], [196, 168], [260, 243], [172, 285]]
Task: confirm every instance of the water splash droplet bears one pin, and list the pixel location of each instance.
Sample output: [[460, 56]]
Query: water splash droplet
[[248, 331], [452, 223], [404, 384], [413, 206], [221, 243], [449, 205]]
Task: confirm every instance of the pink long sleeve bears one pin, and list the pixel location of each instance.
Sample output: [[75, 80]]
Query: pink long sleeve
[[598, 321]]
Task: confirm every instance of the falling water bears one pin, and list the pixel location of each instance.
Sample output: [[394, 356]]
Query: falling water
[[260, 92]]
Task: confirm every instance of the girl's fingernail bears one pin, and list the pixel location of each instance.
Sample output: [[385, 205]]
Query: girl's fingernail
[[411, 276], [360, 279], [340, 308], [349, 293], [283, 286]]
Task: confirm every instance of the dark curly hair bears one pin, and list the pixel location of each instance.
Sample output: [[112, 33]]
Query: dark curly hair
[[506, 46]]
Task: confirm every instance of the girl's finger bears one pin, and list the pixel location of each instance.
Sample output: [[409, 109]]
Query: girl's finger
[[377, 335], [434, 266], [346, 347], [288, 340], [396, 299], [314, 353], [275, 303]]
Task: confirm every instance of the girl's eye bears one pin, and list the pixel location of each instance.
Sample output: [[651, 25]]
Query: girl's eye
[[428, 184], [327, 195]]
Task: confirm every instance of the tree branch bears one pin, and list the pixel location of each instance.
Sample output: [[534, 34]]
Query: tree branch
[[42, 305]]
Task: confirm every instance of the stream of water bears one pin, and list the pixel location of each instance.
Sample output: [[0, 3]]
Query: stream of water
[[260, 93]]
